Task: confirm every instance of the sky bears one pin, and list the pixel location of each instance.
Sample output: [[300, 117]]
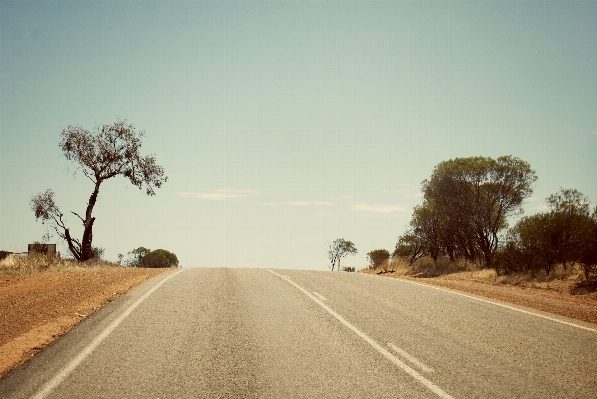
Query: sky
[[285, 125]]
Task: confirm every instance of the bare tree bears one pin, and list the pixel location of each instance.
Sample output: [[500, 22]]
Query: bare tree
[[339, 249], [108, 151]]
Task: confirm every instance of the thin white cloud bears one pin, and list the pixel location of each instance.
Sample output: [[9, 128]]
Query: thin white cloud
[[383, 209], [223, 194], [311, 203], [269, 203], [405, 192]]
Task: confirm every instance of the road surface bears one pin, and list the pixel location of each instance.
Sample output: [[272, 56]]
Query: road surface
[[221, 333]]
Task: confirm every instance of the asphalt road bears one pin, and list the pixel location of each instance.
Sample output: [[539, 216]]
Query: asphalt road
[[221, 333]]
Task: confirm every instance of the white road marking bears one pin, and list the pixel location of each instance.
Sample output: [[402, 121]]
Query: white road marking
[[501, 304], [431, 386], [319, 296], [411, 358], [287, 276], [65, 372]]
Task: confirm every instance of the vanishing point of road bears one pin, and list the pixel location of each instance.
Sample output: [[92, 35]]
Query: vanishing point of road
[[256, 333]]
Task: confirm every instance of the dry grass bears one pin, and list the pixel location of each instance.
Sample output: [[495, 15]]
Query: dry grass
[[568, 280], [19, 265]]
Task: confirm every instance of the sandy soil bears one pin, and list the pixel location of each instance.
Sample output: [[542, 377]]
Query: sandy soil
[[36, 309]]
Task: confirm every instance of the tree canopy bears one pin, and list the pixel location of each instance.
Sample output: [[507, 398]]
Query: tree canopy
[[473, 197], [108, 151], [564, 235], [144, 257], [339, 249], [377, 257]]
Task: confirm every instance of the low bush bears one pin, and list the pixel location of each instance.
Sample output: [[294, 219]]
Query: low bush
[[17, 265]]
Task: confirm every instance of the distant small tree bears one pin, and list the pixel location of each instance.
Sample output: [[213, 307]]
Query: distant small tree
[[109, 151], [159, 258], [135, 257], [377, 257], [143, 257], [339, 249]]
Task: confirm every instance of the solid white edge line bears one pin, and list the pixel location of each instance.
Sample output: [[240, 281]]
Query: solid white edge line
[[65, 372], [498, 304], [318, 295], [431, 386], [411, 358]]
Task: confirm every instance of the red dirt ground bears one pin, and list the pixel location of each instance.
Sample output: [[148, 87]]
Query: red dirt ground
[[36, 309]]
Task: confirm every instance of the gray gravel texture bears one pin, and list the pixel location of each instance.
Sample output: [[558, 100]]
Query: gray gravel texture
[[247, 333]]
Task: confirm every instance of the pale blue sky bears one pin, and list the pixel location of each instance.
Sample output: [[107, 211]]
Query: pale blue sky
[[285, 125]]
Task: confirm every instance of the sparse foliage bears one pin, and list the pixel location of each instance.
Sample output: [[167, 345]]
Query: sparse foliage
[[409, 246], [377, 257], [338, 250], [143, 257], [108, 151], [566, 234]]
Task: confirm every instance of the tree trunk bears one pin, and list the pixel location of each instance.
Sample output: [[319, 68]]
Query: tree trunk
[[71, 245], [86, 248]]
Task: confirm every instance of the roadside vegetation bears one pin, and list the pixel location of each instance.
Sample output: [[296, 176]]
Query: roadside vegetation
[[462, 229], [143, 257], [14, 265], [107, 152]]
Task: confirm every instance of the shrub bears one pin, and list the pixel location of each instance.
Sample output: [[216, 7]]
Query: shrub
[[159, 258]]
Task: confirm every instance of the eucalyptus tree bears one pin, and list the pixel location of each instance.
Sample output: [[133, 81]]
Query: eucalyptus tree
[[338, 250], [570, 218], [480, 193], [107, 152]]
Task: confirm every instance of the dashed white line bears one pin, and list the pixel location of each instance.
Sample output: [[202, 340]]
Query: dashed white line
[[318, 295], [65, 372], [414, 374], [411, 358]]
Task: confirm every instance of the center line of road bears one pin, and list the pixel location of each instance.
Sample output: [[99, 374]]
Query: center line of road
[[414, 374], [65, 372]]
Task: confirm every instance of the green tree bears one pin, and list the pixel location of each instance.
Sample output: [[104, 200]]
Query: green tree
[[530, 245], [570, 216], [408, 246], [427, 228], [480, 194], [108, 151], [159, 258], [377, 257], [588, 254], [338, 250], [566, 234], [135, 257]]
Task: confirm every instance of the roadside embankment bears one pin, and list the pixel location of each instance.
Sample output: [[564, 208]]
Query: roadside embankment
[[559, 297], [37, 308]]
